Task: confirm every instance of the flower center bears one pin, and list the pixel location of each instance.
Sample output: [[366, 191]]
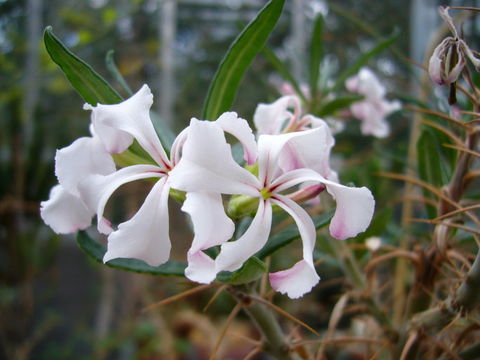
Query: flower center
[[266, 193]]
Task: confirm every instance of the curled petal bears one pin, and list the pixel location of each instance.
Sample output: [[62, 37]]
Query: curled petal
[[211, 227], [296, 281], [435, 63], [233, 254], [443, 11], [304, 223], [201, 267], [239, 128], [272, 118], [354, 210], [355, 206], [145, 236], [309, 149], [207, 164], [83, 157], [475, 61], [129, 117], [95, 190], [65, 212]]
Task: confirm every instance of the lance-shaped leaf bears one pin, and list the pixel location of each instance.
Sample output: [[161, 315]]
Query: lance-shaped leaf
[[283, 70], [316, 54], [96, 251], [253, 269], [364, 59], [238, 58], [337, 104], [289, 234], [90, 85]]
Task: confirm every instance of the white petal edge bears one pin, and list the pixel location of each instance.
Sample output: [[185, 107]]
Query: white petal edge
[[85, 156], [132, 117], [95, 190], [207, 164], [355, 206], [145, 236], [233, 254], [64, 212], [238, 127], [211, 227], [296, 281]]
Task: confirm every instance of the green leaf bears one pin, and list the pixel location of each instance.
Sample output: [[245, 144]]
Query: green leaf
[[251, 270], [337, 104], [316, 54], [238, 58], [364, 59], [91, 86], [291, 233], [112, 68], [96, 252], [432, 167], [283, 70]]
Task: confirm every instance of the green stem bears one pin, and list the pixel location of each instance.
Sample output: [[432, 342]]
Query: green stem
[[275, 342]]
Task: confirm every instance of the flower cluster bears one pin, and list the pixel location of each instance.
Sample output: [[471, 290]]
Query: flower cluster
[[374, 108], [290, 153]]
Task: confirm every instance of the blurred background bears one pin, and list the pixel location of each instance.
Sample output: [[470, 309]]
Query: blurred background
[[57, 304]]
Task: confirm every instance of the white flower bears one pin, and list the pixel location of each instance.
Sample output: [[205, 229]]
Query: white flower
[[284, 161], [146, 235], [374, 108]]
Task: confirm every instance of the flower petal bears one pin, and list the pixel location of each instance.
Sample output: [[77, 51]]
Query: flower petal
[[354, 210], [309, 149], [64, 212], [83, 157], [304, 223], [271, 118], [238, 127], [302, 277], [95, 190], [296, 281], [207, 164], [366, 83], [201, 267], [145, 236], [129, 117], [355, 206], [233, 254], [211, 227]]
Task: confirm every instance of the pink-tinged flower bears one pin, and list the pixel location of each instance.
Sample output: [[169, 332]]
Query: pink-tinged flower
[[146, 235], [284, 161], [65, 211], [449, 57], [285, 115], [374, 108]]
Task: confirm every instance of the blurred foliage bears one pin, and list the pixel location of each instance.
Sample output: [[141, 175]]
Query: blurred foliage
[[52, 299]]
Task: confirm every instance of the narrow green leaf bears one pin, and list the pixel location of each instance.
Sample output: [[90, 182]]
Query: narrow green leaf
[[238, 58], [112, 68], [283, 70], [337, 104], [96, 252], [364, 59], [316, 54], [291, 233], [431, 167], [251, 270], [91, 86]]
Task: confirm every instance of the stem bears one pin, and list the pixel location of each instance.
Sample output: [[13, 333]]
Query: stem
[[275, 342]]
